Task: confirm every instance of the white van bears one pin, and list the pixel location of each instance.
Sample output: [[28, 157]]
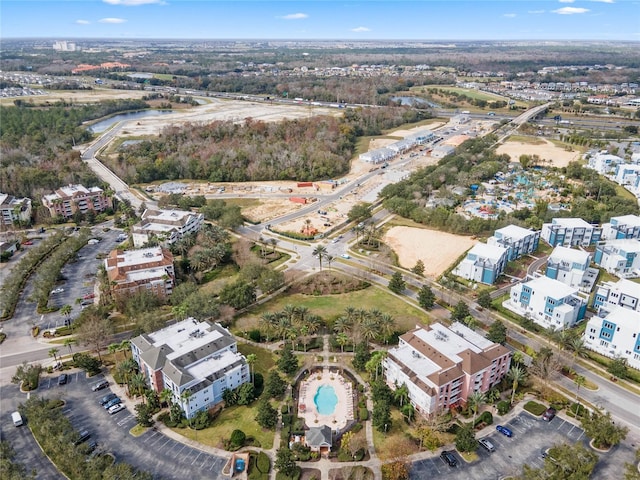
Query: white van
[[17, 419]]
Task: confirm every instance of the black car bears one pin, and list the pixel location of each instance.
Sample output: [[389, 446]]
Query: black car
[[549, 414], [100, 385], [62, 379], [449, 458], [107, 398], [82, 437]]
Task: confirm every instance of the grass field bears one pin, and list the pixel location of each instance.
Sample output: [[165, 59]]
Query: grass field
[[264, 358], [469, 92], [329, 307], [526, 139], [230, 419]]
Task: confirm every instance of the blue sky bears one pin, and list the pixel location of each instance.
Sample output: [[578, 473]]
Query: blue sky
[[323, 19]]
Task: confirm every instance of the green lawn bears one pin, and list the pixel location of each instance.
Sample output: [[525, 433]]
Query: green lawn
[[526, 139], [230, 419], [329, 307], [264, 360]]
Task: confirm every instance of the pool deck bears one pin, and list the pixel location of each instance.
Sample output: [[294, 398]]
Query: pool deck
[[344, 408]]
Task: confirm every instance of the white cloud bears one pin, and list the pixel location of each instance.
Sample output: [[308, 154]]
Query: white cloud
[[83, 22], [535, 12], [361, 29], [604, 1], [295, 16], [509, 15], [132, 3], [112, 20], [570, 10], [566, 1]]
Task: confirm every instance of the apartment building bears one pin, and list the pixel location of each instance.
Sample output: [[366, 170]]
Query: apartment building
[[604, 163], [191, 356], [168, 226], [517, 240], [619, 257], [484, 263], [618, 228], [150, 269], [68, 200], [623, 293], [571, 266], [615, 335], [547, 302], [442, 366], [570, 232], [14, 211]]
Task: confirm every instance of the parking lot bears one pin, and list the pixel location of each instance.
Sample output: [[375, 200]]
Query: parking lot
[[531, 435], [153, 452]]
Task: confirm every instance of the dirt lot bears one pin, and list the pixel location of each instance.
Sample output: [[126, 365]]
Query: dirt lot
[[545, 149], [438, 250]]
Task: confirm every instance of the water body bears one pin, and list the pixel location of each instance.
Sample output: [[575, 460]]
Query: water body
[[325, 400], [103, 125], [415, 102]]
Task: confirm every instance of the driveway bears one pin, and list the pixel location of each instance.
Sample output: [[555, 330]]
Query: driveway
[[530, 436], [153, 452]]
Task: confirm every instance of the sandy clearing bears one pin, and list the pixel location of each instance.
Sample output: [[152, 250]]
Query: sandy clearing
[[438, 250], [546, 150]]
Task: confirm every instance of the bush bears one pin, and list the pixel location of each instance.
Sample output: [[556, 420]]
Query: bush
[[237, 439], [359, 455], [356, 427], [534, 408], [86, 362], [485, 417], [255, 335], [503, 407], [577, 409], [363, 414], [263, 463]]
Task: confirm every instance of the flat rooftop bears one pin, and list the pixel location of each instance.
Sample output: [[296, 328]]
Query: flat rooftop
[[143, 255], [515, 232], [571, 222], [569, 255], [185, 336], [550, 287]]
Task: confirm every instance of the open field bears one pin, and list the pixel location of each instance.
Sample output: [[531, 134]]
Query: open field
[[546, 150], [329, 307], [438, 250], [77, 96]]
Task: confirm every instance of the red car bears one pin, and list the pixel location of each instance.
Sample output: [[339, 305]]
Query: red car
[[89, 296], [27, 242]]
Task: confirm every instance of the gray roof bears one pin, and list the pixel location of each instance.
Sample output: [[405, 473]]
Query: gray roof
[[177, 375], [318, 436], [193, 356], [156, 357]]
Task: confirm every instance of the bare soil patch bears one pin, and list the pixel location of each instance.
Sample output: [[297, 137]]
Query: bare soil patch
[[438, 250], [546, 150]]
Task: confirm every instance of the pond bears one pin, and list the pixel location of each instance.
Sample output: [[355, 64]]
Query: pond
[[103, 125]]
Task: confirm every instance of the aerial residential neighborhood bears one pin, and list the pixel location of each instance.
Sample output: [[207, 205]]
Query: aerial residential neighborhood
[[319, 241]]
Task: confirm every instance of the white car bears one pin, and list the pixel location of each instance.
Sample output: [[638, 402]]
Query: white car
[[344, 255], [57, 290], [115, 408]]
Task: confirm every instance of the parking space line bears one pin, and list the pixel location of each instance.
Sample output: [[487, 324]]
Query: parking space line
[[580, 436], [571, 430], [150, 436], [435, 465], [198, 456], [213, 464], [204, 461], [160, 437], [180, 451]]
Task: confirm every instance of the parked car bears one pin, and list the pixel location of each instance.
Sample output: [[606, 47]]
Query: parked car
[[115, 408], [344, 255], [449, 458], [549, 414], [92, 446], [27, 242], [100, 385], [82, 437], [57, 290], [62, 379], [107, 398], [504, 431], [111, 403], [89, 296], [487, 445]]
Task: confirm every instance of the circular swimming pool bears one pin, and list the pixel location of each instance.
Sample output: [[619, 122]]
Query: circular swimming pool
[[325, 399]]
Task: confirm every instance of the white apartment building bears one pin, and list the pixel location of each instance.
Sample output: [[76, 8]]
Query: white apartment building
[[619, 257], [517, 240], [623, 293], [604, 163], [627, 174], [624, 226], [547, 302], [193, 356], [483, 263], [616, 334], [570, 232], [442, 366], [168, 226], [14, 210], [569, 266]]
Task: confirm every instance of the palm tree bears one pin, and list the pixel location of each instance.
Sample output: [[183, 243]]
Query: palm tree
[[53, 352], [370, 329], [576, 345], [125, 370], [125, 346], [580, 381], [65, 310], [138, 383], [185, 396], [269, 320], [273, 242], [401, 394], [113, 349], [342, 325], [68, 342], [320, 251], [166, 396], [329, 259], [180, 311], [342, 340], [517, 375], [387, 326], [474, 400], [251, 359]]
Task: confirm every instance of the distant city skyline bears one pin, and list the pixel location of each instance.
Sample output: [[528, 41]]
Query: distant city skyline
[[322, 19]]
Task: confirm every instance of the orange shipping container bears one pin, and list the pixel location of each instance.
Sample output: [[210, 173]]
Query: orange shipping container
[[298, 200], [305, 184]]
